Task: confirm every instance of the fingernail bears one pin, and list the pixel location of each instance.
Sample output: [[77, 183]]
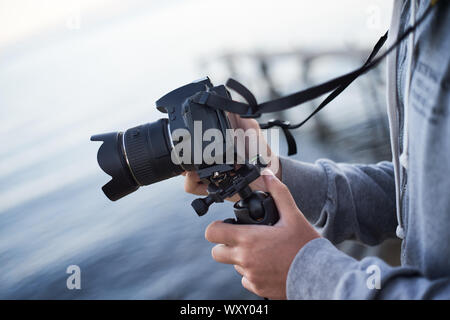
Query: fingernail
[[268, 173]]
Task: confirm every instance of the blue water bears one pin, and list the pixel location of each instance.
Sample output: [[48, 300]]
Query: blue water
[[56, 90], [145, 246]]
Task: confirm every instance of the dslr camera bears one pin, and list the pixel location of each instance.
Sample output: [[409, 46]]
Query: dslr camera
[[149, 153]]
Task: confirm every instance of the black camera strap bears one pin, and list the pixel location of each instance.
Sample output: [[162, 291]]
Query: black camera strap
[[252, 109]]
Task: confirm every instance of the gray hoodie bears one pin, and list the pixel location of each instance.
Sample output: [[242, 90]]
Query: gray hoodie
[[408, 197]]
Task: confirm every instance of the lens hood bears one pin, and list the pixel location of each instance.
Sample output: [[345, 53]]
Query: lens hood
[[112, 159]]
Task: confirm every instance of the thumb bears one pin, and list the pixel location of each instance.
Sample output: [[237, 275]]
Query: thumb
[[287, 208]]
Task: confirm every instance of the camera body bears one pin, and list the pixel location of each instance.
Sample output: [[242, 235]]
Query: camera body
[[194, 120]]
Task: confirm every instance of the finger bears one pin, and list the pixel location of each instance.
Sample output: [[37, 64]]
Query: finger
[[248, 285], [194, 185], [280, 193], [236, 122], [225, 233], [223, 254], [234, 198], [239, 270], [232, 119]]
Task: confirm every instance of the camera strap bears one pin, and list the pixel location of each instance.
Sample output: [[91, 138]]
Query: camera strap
[[252, 109]]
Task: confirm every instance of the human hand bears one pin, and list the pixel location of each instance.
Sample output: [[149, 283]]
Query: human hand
[[194, 185], [263, 254]]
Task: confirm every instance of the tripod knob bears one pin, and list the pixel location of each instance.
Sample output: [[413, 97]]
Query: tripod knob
[[257, 208], [201, 205]]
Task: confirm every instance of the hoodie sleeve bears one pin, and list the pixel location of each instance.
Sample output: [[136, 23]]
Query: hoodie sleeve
[[320, 271], [344, 201]]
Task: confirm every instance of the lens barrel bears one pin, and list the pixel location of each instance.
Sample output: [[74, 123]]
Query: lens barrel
[[138, 157]]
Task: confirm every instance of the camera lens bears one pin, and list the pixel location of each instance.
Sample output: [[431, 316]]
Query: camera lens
[[138, 157]]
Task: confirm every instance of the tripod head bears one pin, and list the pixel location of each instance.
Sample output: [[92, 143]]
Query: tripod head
[[255, 207]]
